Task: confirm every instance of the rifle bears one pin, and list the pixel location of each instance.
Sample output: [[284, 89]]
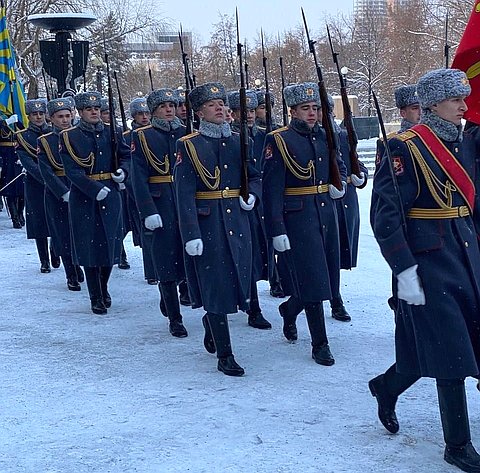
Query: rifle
[[247, 84], [284, 103], [268, 102], [113, 131], [188, 83], [347, 114], [390, 162], [446, 49], [327, 120], [244, 145], [120, 103]]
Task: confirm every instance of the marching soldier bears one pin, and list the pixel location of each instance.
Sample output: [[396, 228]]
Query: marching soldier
[[300, 215], [181, 109], [34, 186], [141, 117], [213, 220], [95, 202], [428, 236], [259, 240], [57, 189], [153, 158]]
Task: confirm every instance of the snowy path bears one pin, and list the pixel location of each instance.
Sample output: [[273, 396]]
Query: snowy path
[[83, 393]]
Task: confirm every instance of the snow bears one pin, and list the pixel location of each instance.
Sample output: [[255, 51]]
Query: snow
[[117, 393]]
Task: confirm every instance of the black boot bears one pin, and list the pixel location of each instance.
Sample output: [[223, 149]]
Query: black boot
[[208, 342], [459, 450], [316, 324], [71, 273], [42, 249], [123, 260], [92, 275], [255, 316], [170, 297], [13, 211], [163, 309], [105, 272], [276, 289], [80, 275], [386, 388], [20, 208], [289, 311], [221, 336], [55, 260], [338, 310], [184, 296]]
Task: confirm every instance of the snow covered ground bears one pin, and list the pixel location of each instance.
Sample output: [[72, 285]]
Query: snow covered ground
[[82, 393]]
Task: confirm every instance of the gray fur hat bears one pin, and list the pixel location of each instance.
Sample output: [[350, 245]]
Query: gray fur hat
[[35, 105], [205, 92], [138, 105], [442, 84], [160, 96], [261, 97], [87, 99], [234, 99], [55, 105], [296, 94], [406, 95], [331, 103], [180, 94], [104, 104]]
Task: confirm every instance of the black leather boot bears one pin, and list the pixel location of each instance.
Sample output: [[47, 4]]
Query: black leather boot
[[338, 310], [316, 324], [20, 207], [172, 306], [55, 260], [289, 311], [163, 309], [105, 272], [459, 450], [221, 336], [71, 273], [123, 260], [80, 275], [13, 211], [42, 249], [276, 289], [208, 342], [184, 295], [255, 316], [386, 388], [92, 275]]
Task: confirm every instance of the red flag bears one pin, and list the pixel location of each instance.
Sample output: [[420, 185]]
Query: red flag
[[467, 59]]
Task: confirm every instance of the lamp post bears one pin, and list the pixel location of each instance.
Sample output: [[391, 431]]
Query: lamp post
[[344, 72], [257, 83]]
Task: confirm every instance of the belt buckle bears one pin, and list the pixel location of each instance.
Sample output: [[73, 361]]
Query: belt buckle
[[319, 189], [225, 193]]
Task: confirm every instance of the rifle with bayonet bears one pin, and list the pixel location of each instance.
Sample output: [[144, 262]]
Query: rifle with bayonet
[[282, 77], [244, 146], [111, 113], [347, 114], [446, 49], [120, 103], [327, 119], [188, 83], [268, 101]]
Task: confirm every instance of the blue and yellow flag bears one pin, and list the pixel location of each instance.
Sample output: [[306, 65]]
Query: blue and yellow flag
[[12, 95]]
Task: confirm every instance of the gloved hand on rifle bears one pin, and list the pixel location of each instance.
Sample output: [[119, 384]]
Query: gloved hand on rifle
[[152, 222], [358, 181], [335, 193], [249, 204], [119, 175]]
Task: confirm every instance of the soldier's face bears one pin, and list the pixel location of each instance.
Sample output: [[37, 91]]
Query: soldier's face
[[307, 112], [411, 113], [451, 110], [90, 114], [165, 111], [37, 118], [182, 111], [251, 116], [62, 119], [228, 115], [213, 111], [105, 116], [261, 112], [142, 118]]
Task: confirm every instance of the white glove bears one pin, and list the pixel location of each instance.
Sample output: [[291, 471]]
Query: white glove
[[153, 221], [103, 192], [358, 181], [281, 243], [249, 204], [12, 119], [66, 196], [409, 286], [335, 193], [194, 247], [119, 175]]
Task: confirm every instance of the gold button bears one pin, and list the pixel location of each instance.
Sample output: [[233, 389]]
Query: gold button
[[227, 188], [320, 182], [323, 204], [230, 232], [313, 138], [100, 153], [225, 166], [98, 136], [229, 211], [466, 244], [225, 193], [224, 144], [103, 207], [456, 149]]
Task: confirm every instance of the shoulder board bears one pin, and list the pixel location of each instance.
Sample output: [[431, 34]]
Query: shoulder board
[[21, 132], [69, 129], [46, 134], [191, 135], [405, 136], [126, 132], [279, 130], [392, 134], [142, 128]]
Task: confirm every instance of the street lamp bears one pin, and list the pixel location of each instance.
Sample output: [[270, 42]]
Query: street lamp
[[257, 83], [98, 75], [344, 72]]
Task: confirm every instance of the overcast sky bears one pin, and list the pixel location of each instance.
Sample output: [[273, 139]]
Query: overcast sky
[[273, 16]]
